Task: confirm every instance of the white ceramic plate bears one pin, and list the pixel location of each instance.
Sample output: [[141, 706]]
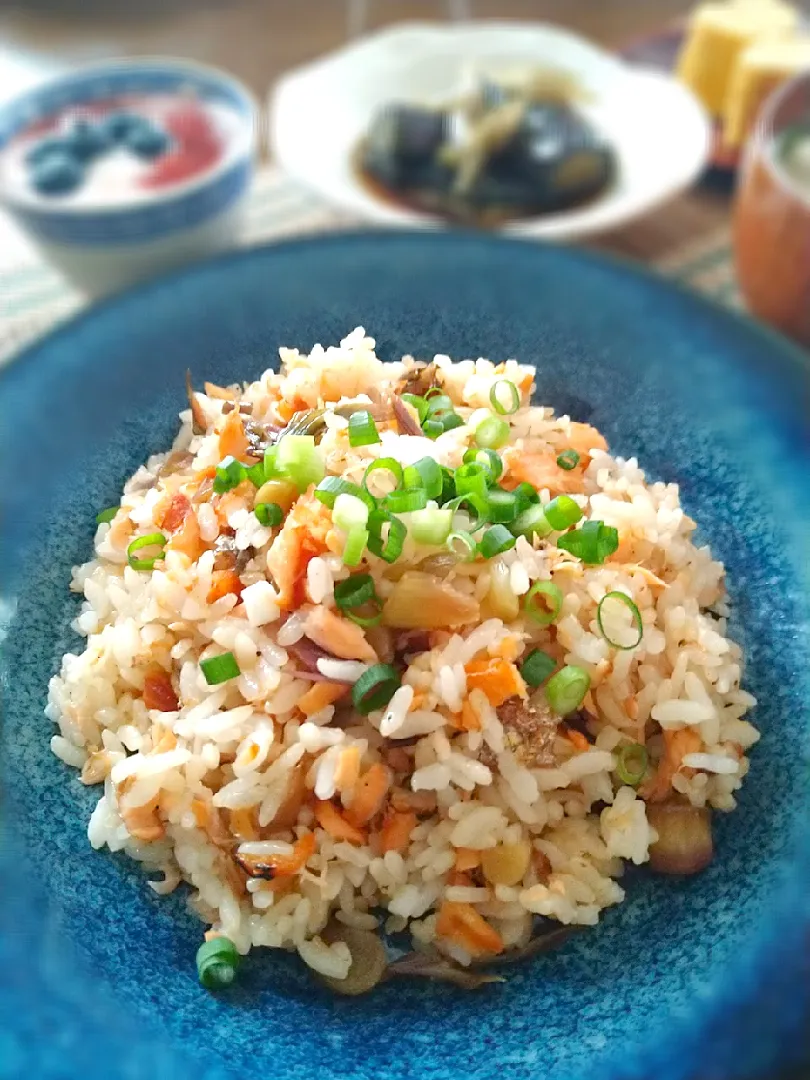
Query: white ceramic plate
[[319, 112]]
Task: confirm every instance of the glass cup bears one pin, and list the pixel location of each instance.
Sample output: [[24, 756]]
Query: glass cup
[[772, 218]]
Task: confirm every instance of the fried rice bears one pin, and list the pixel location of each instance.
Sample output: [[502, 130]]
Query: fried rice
[[316, 747]]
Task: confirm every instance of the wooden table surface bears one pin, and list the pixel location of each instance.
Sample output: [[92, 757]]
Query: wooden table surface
[[260, 39]]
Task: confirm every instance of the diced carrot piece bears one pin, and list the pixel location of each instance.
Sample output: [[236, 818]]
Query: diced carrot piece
[[328, 817], [396, 831], [158, 692], [232, 439], [470, 720], [224, 582], [508, 648], [369, 794], [677, 744], [577, 740], [319, 696], [348, 769], [287, 865], [462, 924], [467, 859], [499, 679], [417, 702]]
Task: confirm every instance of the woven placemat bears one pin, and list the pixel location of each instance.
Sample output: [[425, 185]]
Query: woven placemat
[[33, 297]]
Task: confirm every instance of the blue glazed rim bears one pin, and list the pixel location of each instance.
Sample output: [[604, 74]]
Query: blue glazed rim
[[183, 207], [767, 970]]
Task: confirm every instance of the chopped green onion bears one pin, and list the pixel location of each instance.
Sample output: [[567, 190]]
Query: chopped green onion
[[562, 512], [431, 526], [481, 455], [451, 420], [432, 392], [537, 667], [106, 515], [568, 459], [437, 403], [404, 501], [433, 428], [543, 602], [256, 474], [495, 540], [462, 545], [268, 514], [473, 479], [566, 690], [592, 542], [155, 539], [607, 607], [448, 485], [502, 506], [355, 545], [417, 403], [331, 486], [513, 394], [230, 473], [375, 688], [383, 464], [525, 495], [390, 548], [531, 522], [492, 433], [631, 763], [219, 669], [362, 429], [270, 463], [355, 594], [217, 961], [349, 511], [425, 473], [299, 458], [473, 501]]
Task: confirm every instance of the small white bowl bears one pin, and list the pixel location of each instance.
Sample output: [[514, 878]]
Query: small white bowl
[[103, 248], [659, 131]]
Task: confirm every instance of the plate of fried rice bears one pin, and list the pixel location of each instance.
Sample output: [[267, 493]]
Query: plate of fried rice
[[465, 649]]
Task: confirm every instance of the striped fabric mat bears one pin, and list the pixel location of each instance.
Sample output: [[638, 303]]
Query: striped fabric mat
[[33, 297]]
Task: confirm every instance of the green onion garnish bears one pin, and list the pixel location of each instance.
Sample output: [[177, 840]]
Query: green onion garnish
[[450, 420], [472, 479], [354, 595], [614, 606], [230, 473], [155, 539], [543, 602], [525, 495], [330, 487], [383, 465], [432, 392], [217, 961], [462, 545], [362, 429], [219, 669], [502, 506], [418, 403], [592, 542], [256, 474], [566, 690], [425, 473], [270, 463], [299, 458], [433, 428], [375, 688], [389, 548], [495, 540], [431, 526], [355, 545], [268, 514], [471, 501], [537, 667], [492, 433], [496, 398], [437, 403], [562, 512], [631, 763], [480, 455], [531, 522], [404, 501], [106, 515], [568, 459], [448, 484], [349, 512]]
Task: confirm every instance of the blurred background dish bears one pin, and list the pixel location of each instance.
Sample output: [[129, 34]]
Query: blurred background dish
[[656, 131], [772, 216], [121, 170]]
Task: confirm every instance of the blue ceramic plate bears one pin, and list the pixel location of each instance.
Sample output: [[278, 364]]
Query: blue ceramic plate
[[688, 979]]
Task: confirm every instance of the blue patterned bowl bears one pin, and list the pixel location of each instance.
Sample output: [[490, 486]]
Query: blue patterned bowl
[[103, 249], [687, 980]]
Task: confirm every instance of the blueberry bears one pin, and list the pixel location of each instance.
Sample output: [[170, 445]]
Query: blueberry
[[147, 141], [115, 126], [88, 140], [54, 144], [57, 174]]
